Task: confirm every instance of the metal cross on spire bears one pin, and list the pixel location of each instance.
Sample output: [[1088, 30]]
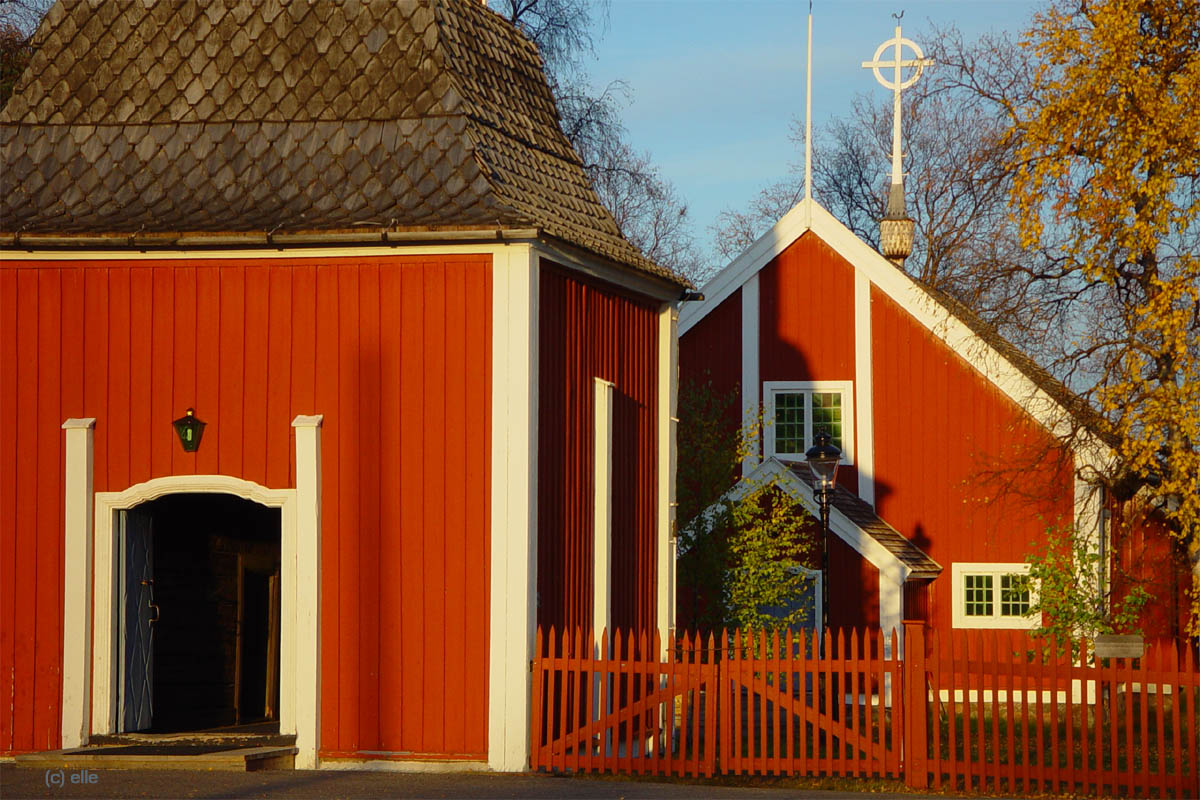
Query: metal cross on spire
[[895, 248]]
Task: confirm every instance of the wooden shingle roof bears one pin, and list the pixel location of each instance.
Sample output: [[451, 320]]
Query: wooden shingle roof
[[859, 512], [291, 116]]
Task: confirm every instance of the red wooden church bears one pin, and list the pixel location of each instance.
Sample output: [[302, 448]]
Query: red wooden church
[[953, 471], [350, 239]]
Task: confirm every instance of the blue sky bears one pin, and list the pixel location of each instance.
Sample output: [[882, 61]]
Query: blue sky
[[715, 83]]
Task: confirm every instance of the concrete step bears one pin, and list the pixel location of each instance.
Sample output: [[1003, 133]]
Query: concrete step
[[212, 757]]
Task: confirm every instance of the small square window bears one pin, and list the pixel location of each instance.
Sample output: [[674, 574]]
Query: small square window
[[795, 412]]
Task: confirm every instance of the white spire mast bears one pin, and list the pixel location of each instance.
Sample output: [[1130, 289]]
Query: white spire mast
[[808, 121], [897, 169], [896, 228]]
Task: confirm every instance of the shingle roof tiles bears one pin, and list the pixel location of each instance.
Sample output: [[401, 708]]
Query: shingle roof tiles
[[862, 515], [239, 116]]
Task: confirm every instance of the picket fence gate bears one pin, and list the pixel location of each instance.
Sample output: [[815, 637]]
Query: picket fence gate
[[979, 710]]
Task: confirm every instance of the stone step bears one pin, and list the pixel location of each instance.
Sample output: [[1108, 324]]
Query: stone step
[[224, 759]]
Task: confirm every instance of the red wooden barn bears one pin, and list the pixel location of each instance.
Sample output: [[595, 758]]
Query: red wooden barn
[[953, 471], [351, 240]]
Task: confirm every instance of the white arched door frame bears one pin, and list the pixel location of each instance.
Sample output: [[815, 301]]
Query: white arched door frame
[[105, 653]]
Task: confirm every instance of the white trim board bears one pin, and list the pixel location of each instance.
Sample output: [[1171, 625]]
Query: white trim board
[[77, 581], [513, 505], [667, 430], [751, 402], [629, 278], [307, 605], [896, 285], [602, 507], [864, 389]]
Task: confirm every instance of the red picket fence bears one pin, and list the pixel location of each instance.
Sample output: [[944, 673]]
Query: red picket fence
[[765, 705], [1008, 712], [996, 711]]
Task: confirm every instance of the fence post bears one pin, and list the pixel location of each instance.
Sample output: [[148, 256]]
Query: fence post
[[914, 736]]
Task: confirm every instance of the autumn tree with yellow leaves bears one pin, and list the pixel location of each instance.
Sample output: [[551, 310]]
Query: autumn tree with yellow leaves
[[1107, 179]]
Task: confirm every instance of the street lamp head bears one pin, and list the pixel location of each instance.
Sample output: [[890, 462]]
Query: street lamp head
[[823, 459]]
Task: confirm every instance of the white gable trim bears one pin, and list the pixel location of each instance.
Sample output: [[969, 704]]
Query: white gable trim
[[892, 571], [789, 228], [895, 284], [863, 543]]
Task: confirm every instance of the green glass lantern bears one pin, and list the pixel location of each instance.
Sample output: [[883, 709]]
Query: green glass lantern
[[190, 429]]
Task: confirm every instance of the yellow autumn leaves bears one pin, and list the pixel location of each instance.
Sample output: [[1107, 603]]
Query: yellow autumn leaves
[[1108, 166]]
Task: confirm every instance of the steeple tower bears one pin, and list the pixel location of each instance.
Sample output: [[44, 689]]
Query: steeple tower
[[896, 227]]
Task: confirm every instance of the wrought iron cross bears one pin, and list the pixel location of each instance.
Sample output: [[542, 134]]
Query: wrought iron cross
[[898, 62]]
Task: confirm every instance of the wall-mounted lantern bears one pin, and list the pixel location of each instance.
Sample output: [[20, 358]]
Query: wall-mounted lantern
[[190, 429]]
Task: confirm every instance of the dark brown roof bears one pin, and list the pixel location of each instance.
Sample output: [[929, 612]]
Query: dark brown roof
[[859, 512], [252, 116]]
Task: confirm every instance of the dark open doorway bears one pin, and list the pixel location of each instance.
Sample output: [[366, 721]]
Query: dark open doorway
[[215, 599]]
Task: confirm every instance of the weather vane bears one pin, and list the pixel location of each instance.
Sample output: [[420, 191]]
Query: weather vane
[[896, 238]]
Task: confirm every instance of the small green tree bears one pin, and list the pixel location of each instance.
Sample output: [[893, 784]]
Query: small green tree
[[711, 446], [768, 545], [739, 551], [1073, 593]]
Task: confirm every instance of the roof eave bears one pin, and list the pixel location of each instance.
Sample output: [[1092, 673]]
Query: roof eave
[[654, 284], [199, 240]]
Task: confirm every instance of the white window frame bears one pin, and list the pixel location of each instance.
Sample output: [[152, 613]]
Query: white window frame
[[959, 571], [818, 579], [845, 388]]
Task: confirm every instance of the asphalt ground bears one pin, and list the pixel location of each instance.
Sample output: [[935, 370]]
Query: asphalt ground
[[25, 782]]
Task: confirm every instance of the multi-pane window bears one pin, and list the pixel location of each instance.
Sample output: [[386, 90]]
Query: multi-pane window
[[827, 415], [797, 412], [979, 596], [993, 596], [1014, 595], [790, 428]]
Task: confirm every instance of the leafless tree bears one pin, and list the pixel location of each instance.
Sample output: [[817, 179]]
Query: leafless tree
[[24, 15], [18, 20], [957, 182], [644, 204]]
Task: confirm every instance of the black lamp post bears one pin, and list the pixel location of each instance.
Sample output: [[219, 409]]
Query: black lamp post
[[823, 459]]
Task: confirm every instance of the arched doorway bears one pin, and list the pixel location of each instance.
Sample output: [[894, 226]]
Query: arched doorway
[[298, 644], [200, 612]]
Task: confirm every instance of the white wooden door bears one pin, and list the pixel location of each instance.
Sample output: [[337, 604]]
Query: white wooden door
[[137, 621]]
